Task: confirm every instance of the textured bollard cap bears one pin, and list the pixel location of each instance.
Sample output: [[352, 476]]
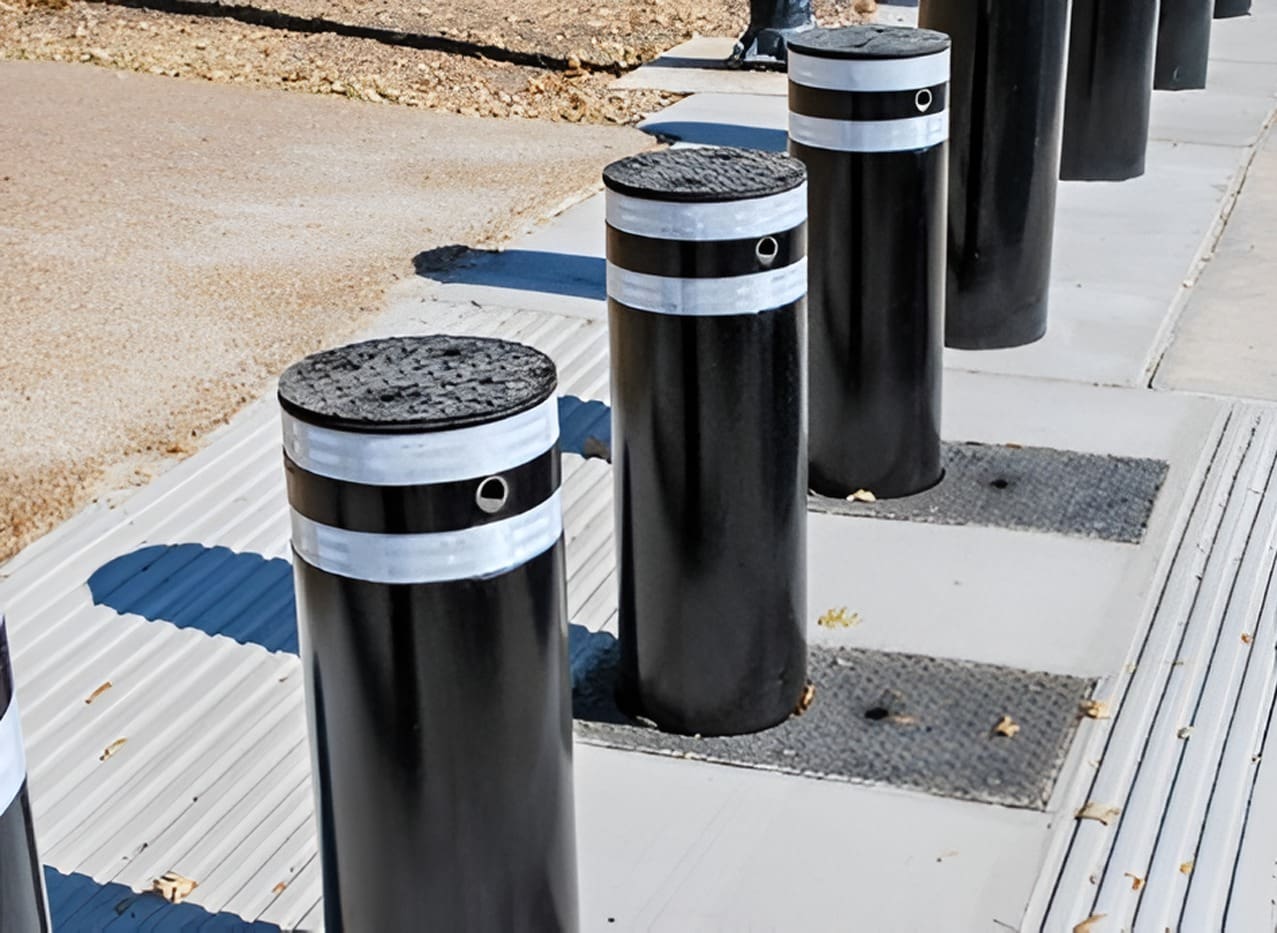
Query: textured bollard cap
[[869, 42], [417, 384], [704, 175]]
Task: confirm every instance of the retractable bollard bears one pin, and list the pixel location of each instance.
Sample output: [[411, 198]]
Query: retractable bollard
[[1109, 89], [1006, 105], [771, 23], [867, 115], [1183, 44], [23, 908], [1225, 9], [423, 475], [707, 284]]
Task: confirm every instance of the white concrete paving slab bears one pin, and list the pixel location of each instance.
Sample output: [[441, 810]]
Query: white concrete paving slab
[[699, 66], [687, 847], [1226, 337], [1023, 599]]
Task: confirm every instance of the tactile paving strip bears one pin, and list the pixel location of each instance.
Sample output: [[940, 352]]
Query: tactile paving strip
[[927, 724], [1028, 488]]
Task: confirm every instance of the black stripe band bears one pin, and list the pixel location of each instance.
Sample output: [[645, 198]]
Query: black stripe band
[[705, 259], [866, 106], [6, 671], [690, 320], [423, 509]]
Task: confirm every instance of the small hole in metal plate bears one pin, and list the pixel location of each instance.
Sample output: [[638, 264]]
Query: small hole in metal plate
[[767, 250], [491, 495], [923, 100]]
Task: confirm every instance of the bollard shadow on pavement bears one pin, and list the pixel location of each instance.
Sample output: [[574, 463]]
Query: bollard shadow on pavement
[[78, 904], [551, 273], [241, 595], [704, 133]]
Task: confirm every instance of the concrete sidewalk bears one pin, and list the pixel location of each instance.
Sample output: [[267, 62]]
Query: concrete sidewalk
[[167, 246], [180, 598]]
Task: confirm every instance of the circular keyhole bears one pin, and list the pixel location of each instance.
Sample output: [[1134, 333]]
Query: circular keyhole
[[923, 100], [767, 250], [491, 495]]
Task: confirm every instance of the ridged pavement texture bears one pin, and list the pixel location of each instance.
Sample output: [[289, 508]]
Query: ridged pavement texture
[[154, 747], [1187, 795]]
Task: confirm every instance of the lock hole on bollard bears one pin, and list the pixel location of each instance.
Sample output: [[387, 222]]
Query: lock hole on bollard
[[923, 100], [1000, 483], [877, 712], [492, 494], [767, 250]]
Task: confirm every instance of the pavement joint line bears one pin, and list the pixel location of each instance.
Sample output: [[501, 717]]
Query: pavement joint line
[[1170, 323]]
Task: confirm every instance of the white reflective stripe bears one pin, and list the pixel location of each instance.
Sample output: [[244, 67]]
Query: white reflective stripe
[[887, 74], [13, 763], [419, 459], [870, 135], [434, 557], [718, 220], [738, 294]]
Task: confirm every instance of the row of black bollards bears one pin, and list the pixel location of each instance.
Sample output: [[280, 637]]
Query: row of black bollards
[[423, 473]]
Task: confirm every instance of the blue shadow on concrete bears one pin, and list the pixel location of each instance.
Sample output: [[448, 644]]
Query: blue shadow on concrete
[[78, 904], [585, 428], [523, 269], [718, 134], [243, 596]]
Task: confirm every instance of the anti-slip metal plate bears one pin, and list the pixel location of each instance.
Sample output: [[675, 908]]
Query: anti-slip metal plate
[[914, 722], [1028, 488]]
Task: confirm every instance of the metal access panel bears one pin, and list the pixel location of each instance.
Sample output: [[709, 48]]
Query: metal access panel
[[952, 728], [1029, 489]]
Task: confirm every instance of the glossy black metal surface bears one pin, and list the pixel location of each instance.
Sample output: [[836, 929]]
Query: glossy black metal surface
[[877, 264], [1183, 44], [442, 750], [21, 877], [1006, 105], [876, 319], [1225, 9], [440, 712], [1109, 89], [22, 901], [709, 460]]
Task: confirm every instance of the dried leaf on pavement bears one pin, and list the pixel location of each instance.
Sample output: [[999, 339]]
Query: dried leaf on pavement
[[838, 617], [1102, 812], [1088, 925], [1006, 726], [173, 887], [98, 692], [111, 749], [1096, 709]]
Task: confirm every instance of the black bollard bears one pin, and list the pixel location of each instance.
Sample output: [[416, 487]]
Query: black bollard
[[867, 116], [1224, 9], [23, 908], [1109, 89], [707, 280], [1006, 104], [1183, 44], [423, 475], [771, 23]]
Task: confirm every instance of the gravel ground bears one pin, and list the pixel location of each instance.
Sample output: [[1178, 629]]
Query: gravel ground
[[615, 35], [167, 247]]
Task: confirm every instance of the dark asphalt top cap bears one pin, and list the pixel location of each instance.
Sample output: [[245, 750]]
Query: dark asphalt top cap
[[869, 42], [417, 384], [704, 174]]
